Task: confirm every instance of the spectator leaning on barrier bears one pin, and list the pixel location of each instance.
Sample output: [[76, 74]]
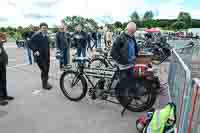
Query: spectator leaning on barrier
[[39, 43], [3, 81], [63, 45]]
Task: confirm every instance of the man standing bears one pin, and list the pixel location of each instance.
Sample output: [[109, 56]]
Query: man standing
[[80, 41], [89, 38], [124, 52], [94, 37], [99, 39], [27, 37], [39, 43], [63, 45], [3, 81], [108, 38], [125, 49]]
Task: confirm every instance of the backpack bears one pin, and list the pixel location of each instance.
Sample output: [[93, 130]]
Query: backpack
[[160, 120]]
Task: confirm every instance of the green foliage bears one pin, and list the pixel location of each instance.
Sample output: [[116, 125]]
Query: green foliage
[[148, 15], [118, 24], [87, 24], [179, 25], [186, 18], [135, 17]]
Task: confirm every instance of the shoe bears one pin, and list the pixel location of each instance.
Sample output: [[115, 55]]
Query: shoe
[[3, 103], [47, 86], [8, 98]]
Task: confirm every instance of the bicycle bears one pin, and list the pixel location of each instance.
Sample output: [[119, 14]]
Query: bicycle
[[108, 85], [103, 60]]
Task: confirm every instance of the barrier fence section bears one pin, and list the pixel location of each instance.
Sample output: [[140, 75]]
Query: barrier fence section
[[179, 80], [194, 115]]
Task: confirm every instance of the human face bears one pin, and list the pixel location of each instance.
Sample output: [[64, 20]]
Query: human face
[[131, 32], [61, 29], [78, 28], [44, 29]]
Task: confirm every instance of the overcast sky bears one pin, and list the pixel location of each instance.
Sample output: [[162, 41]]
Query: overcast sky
[[25, 12]]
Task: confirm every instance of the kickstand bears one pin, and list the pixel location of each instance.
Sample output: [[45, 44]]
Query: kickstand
[[125, 108]]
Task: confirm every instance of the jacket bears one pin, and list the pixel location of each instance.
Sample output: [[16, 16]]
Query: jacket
[[3, 57], [40, 44], [62, 40], [80, 39], [109, 36], [119, 50]]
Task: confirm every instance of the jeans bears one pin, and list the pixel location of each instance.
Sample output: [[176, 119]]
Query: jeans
[[99, 43], [89, 45], [95, 44], [29, 52], [81, 51], [64, 57]]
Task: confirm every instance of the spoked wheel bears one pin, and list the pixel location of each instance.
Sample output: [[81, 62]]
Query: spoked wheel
[[98, 63], [73, 85], [160, 57], [139, 98]]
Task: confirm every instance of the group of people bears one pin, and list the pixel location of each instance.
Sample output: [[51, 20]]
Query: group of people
[[124, 51]]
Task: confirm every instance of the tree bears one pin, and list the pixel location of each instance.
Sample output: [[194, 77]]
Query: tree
[[148, 15], [150, 23], [185, 17], [118, 24], [178, 25], [135, 17], [87, 24], [2, 29]]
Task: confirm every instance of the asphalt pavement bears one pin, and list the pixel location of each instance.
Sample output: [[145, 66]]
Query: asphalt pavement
[[36, 111]]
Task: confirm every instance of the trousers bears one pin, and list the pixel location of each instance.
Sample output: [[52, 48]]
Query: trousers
[[44, 68], [3, 82]]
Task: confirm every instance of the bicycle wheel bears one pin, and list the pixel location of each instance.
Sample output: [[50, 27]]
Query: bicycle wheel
[[98, 63], [73, 81], [137, 102]]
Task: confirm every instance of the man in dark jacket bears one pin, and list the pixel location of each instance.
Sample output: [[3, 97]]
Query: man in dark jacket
[[39, 43], [3, 81], [89, 38], [125, 49], [63, 45], [80, 41], [124, 52]]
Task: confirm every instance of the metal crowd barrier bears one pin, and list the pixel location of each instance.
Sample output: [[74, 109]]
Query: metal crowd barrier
[[179, 80], [194, 114]]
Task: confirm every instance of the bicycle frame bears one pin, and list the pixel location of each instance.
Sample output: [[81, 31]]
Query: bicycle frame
[[83, 71]]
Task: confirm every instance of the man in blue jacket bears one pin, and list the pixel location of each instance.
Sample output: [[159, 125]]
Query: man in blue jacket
[[39, 43]]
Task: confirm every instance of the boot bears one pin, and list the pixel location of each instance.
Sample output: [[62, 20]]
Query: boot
[[46, 85], [3, 102]]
